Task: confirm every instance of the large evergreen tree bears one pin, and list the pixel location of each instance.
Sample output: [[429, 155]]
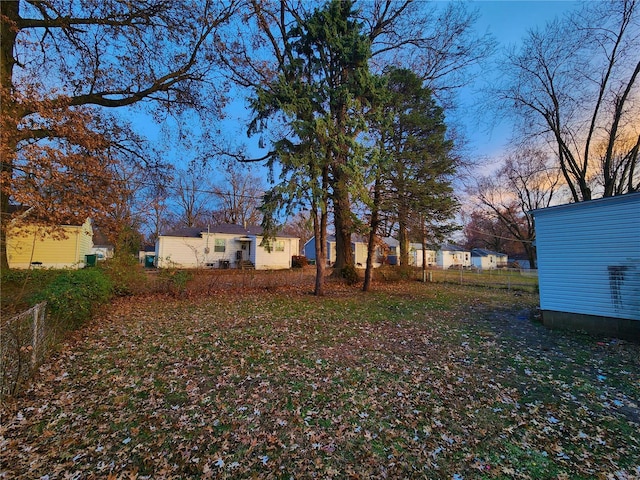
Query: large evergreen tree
[[321, 95], [418, 165]]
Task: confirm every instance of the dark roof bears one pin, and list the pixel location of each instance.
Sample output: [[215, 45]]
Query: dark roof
[[184, 232], [225, 228], [483, 252], [449, 247]]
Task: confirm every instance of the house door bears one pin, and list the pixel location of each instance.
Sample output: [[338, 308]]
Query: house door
[[244, 253]]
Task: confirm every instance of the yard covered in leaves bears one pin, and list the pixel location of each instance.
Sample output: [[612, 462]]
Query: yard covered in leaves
[[409, 381]]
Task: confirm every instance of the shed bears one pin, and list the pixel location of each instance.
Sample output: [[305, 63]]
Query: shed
[[589, 265]]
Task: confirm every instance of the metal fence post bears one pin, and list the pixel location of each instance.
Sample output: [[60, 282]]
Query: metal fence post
[[35, 313]]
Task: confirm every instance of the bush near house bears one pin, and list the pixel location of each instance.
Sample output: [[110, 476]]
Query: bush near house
[[73, 294], [299, 261]]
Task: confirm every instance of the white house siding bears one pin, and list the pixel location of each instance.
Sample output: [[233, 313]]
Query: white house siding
[[180, 252], [274, 259], [200, 252], [448, 258], [486, 260], [589, 257], [483, 263], [360, 251], [415, 256], [194, 252]]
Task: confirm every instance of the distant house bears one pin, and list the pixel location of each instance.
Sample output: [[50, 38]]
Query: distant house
[[453, 256], [102, 247], [415, 253], [416, 256], [487, 259], [33, 246], [589, 265], [359, 247], [224, 246], [389, 251]]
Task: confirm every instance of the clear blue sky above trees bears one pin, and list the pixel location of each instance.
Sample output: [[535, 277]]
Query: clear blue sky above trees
[[507, 20]]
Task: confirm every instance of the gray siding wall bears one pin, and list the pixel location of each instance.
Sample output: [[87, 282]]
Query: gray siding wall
[[589, 257]]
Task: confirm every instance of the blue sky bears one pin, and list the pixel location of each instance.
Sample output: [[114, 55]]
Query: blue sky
[[507, 20]]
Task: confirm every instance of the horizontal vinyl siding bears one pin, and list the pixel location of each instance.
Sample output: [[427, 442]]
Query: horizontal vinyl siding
[[230, 248], [310, 249], [22, 250], [85, 242], [181, 252], [577, 247], [360, 251], [265, 260]]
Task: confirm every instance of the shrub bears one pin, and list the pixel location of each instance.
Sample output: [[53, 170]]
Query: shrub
[[350, 274], [176, 279], [126, 274], [73, 294], [299, 261], [17, 287]]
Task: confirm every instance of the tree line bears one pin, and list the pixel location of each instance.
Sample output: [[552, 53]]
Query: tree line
[[348, 100]]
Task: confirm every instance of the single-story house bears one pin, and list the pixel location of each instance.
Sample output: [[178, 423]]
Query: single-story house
[[359, 247], [415, 253], [487, 259], [589, 265], [224, 246], [34, 246], [389, 251], [453, 256], [415, 256]]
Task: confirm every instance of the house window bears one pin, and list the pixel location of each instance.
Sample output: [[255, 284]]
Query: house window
[[273, 246], [219, 245]]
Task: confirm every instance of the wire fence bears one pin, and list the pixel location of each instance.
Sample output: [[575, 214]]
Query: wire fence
[[506, 278], [210, 281], [26, 338]]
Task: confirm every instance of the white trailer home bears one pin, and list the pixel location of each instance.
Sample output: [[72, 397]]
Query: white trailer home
[[589, 265]]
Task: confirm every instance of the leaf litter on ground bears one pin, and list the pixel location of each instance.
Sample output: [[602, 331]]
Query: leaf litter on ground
[[409, 381]]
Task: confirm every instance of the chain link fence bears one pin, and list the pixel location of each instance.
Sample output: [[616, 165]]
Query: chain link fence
[[506, 278], [24, 342]]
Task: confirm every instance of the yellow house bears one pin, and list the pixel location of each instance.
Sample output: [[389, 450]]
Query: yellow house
[[33, 248]]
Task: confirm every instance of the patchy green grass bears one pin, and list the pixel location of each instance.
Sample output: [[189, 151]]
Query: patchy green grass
[[408, 381]]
